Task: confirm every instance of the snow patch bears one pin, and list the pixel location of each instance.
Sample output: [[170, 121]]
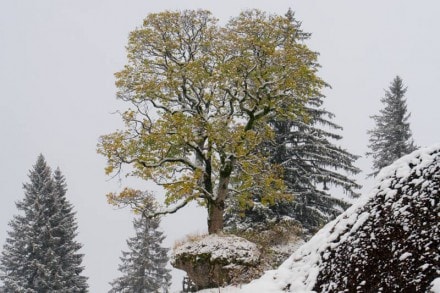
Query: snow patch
[[435, 286], [405, 256]]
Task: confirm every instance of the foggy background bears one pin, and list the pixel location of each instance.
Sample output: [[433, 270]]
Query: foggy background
[[57, 93]]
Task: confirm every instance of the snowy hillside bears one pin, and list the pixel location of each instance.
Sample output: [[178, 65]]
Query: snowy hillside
[[388, 241]]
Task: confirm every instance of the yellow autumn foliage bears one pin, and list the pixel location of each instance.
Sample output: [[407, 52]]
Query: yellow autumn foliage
[[200, 97]]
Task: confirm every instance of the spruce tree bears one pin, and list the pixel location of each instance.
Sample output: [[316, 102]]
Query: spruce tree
[[70, 260], [40, 254], [143, 267], [312, 163], [391, 138]]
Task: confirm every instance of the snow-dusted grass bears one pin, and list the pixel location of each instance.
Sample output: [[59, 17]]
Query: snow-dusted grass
[[189, 238]]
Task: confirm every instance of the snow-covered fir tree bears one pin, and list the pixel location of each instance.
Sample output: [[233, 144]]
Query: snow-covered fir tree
[[143, 266], [41, 254], [311, 162], [70, 260], [391, 138]]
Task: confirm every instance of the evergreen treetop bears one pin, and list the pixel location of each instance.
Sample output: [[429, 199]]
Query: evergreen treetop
[[143, 266], [391, 138]]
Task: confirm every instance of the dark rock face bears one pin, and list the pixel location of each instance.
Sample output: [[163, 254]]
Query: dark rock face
[[395, 244]]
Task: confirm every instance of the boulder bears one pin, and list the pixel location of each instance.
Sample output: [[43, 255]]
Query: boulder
[[217, 260]]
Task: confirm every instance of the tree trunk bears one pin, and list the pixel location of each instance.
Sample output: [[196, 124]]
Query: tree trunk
[[215, 217], [216, 208]]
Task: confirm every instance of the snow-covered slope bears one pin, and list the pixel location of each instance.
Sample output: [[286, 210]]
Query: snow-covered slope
[[386, 242]]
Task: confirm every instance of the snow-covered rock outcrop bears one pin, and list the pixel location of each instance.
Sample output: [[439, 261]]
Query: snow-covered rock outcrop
[[217, 260], [389, 241]]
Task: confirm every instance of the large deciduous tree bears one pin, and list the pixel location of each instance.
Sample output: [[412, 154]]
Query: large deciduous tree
[[201, 96], [391, 138], [41, 254]]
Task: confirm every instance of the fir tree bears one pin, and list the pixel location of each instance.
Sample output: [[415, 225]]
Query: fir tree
[[70, 260], [143, 266], [40, 254], [312, 163], [391, 138]]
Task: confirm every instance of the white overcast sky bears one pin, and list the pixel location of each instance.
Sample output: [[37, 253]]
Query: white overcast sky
[[57, 60]]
